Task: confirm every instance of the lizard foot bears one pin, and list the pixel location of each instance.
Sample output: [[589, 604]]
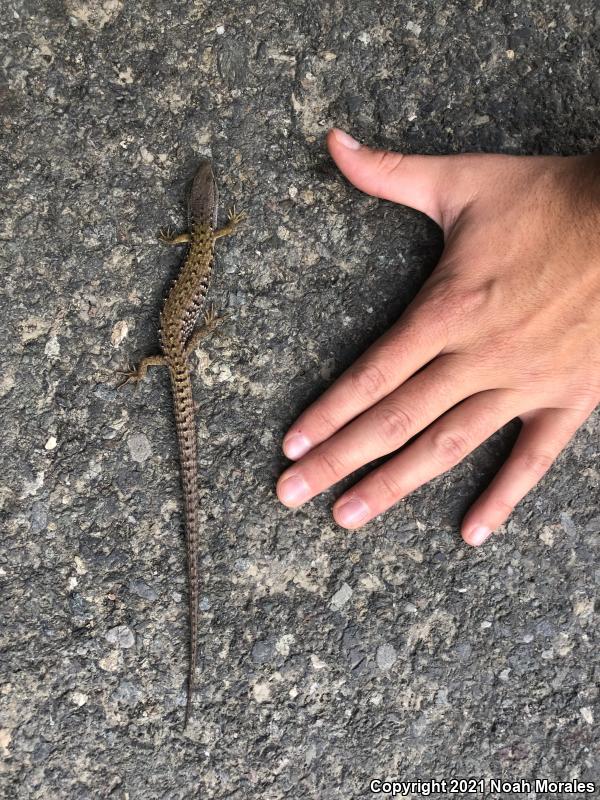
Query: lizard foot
[[235, 217], [137, 375], [212, 319], [129, 376]]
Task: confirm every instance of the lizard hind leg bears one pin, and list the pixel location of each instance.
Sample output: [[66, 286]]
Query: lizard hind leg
[[136, 375], [211, 321], [167, 237]]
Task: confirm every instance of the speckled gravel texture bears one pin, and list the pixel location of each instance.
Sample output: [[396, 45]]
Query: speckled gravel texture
[[328, 657]]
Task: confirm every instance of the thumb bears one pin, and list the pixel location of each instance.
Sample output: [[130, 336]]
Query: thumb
[[431, 184]]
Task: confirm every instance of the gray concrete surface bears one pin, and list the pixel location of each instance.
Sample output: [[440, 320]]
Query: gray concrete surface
[[329, 658]]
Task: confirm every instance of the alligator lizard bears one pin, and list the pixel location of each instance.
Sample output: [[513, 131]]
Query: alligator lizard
[[183, 306]]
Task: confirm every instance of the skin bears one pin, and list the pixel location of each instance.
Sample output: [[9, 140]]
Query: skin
[[508, 325]]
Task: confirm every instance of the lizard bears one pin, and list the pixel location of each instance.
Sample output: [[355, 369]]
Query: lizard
[[183, 307]]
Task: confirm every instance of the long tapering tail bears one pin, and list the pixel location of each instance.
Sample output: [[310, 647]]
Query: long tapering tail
[[183, 403]]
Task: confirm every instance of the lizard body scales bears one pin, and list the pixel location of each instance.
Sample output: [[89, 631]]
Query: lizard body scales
[[183, 306]]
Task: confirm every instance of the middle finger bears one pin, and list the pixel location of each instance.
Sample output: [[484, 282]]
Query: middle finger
[[382, 429]]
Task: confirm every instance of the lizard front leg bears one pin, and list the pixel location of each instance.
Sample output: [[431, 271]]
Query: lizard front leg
[[233, 220]]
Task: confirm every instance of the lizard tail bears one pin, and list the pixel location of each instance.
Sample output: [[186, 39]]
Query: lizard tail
[[186, 437]]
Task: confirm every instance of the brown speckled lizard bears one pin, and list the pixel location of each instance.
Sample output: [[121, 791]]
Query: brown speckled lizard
[[183, 306]]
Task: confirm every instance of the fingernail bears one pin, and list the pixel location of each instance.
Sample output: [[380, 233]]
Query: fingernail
[[293, 491], [479, 535], [296, 446], [351, 512], [345, 139]]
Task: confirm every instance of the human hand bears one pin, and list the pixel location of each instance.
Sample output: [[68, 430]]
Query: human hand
[[507, 325]]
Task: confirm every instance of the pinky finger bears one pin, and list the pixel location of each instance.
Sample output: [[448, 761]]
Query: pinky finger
[[544, 434]]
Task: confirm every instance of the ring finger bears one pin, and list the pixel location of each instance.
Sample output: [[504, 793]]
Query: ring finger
[[438, 449]]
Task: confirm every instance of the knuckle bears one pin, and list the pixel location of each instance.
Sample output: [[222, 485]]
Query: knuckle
[[367, 380], [330, 466], [585, 396], [324, 420], [388, 162], [476, 299], [449, 447], [396, 349], [388, 489], [536, 462], [393, 423], [451, 303], [501, 509]]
